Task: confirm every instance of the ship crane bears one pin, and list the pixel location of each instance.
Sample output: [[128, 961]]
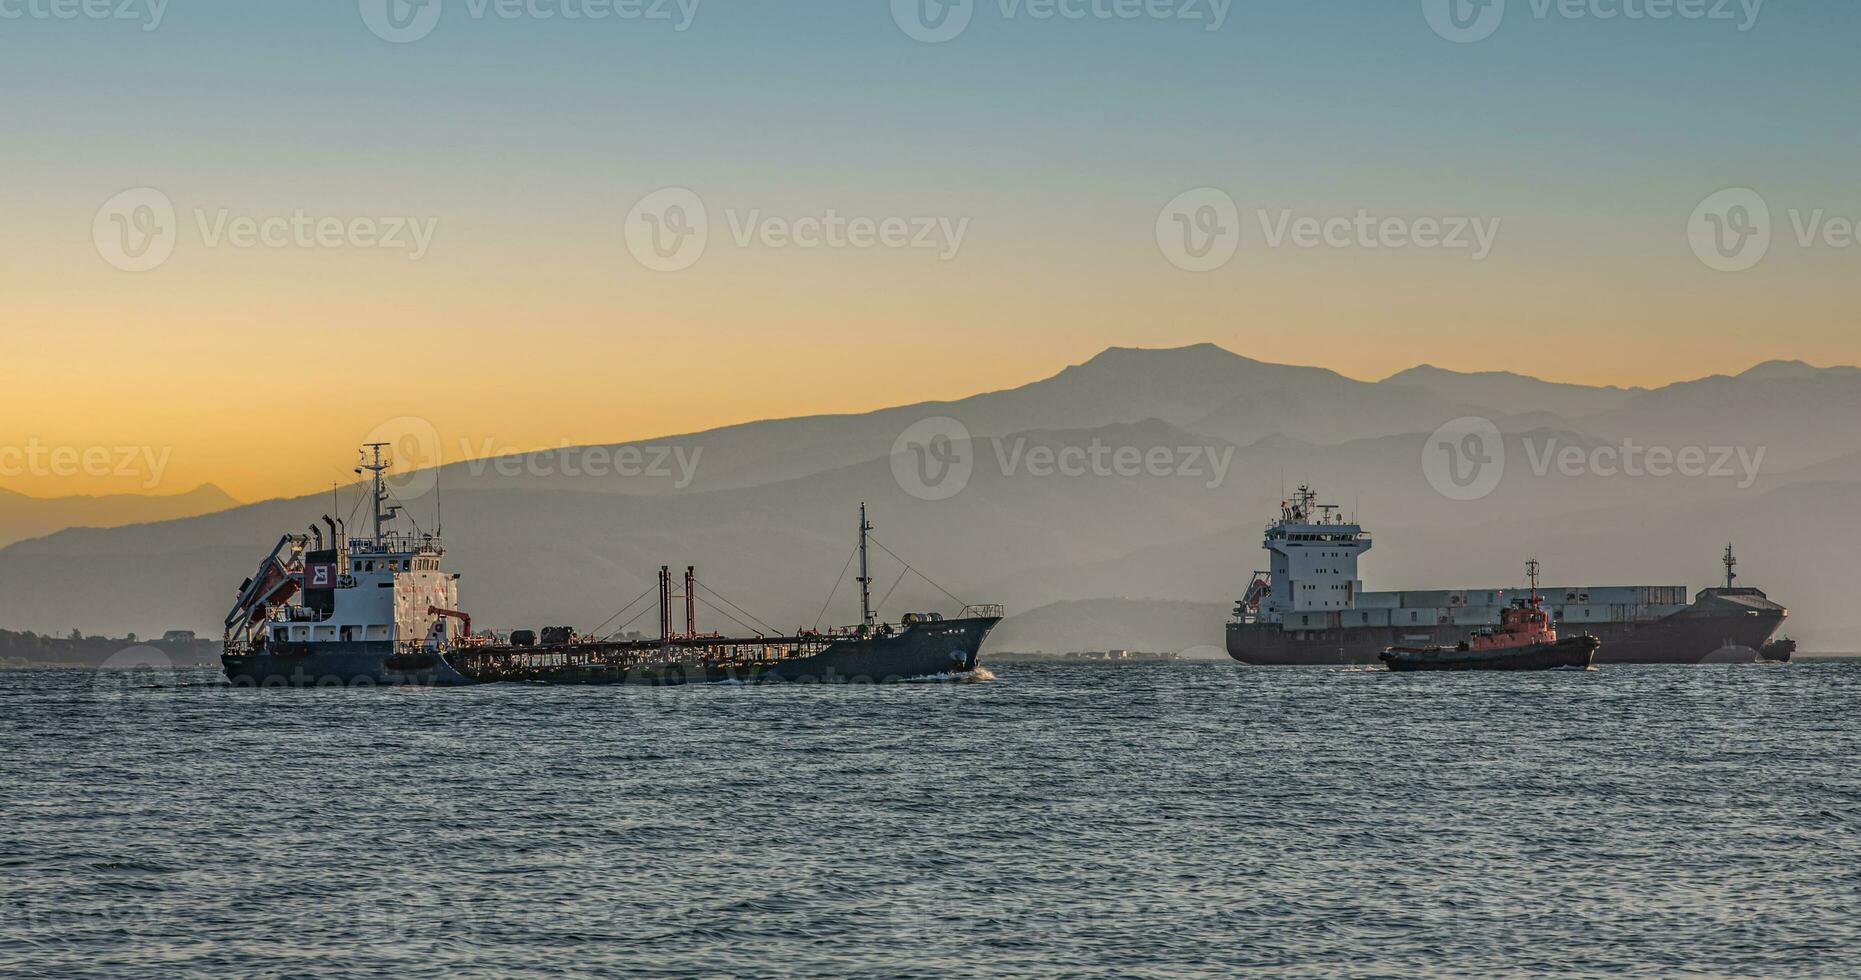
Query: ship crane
[[278, 579]]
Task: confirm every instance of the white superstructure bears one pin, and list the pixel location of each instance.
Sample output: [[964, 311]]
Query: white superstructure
[[1314, 559], [387, 590]]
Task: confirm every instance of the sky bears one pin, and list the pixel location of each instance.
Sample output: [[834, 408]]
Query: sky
[[245, 236]]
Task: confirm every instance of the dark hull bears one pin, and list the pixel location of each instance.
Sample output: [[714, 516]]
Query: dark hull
[[1686, 637], [352, 664], [941, 649], [1570, 652], [1777, 651]]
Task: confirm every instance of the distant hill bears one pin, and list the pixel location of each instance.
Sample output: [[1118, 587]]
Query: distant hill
[[24, 517], [1330, 410], [1514, 394], [1180, 386], [769, 521], [1798, 414], [1793, 370]]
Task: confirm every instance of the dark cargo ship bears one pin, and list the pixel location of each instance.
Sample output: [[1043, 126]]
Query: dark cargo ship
[[380, 610], [1310, 608]]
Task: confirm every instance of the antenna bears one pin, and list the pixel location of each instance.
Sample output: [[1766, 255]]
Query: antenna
[[377, 467], [1731, 562], [865, 578]]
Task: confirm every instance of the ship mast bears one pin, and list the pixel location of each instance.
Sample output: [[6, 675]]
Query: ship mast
[[865, 579], [377, 467], [1731, 562], [1531, 572]]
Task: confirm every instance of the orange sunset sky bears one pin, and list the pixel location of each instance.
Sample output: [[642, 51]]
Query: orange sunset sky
[[528, 323]]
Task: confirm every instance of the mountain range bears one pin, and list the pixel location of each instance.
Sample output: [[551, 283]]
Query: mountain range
[[24, 517], [769, 512]]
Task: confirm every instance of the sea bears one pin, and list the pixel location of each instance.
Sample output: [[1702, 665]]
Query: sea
[[1078, 820]]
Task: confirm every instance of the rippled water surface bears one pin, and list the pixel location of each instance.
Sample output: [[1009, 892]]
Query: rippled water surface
[[1057, 819]]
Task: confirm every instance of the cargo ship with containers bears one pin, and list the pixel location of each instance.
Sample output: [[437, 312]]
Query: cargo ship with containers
[[1310, 607], [329, 609]]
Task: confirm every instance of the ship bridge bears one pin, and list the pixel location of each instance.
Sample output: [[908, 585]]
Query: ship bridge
[[383, 588], [1314, 553]]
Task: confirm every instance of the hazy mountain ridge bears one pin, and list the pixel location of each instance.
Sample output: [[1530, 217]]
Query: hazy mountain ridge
[[23, 517], [1120, 385], [1515, 393], [772, 530], [1331, 412], [1798, 419]]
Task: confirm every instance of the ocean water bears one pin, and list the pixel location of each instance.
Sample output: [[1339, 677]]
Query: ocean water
[[1087, 820]]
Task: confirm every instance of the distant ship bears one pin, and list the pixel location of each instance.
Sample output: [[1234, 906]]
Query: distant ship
[[1525, 639], [380, 609], [1311, 609]]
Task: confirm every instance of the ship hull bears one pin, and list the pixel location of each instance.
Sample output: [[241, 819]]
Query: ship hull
[[1571, 652], [350, 664], [1686, 637], [944, 649], [947, 648]]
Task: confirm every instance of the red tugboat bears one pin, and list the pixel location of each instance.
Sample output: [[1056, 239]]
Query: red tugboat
[[1525, 639]]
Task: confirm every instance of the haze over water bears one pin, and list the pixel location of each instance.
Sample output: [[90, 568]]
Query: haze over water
[[1078, 819]]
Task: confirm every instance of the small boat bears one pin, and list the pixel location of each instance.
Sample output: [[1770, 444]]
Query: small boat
[[1777, 651], [1525, 639]]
